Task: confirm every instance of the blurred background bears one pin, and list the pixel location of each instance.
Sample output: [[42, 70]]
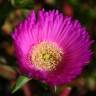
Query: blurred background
[[14, 11]]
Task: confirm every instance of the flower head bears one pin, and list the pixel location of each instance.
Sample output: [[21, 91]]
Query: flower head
[[51, 47]]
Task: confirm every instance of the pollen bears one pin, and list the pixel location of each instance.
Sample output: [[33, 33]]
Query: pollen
[[46, 56]]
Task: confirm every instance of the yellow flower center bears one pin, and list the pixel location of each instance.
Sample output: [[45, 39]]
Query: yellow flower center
[[46, 56]]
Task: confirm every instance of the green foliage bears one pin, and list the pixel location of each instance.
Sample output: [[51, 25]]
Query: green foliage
[[22, 3], [20, 82]]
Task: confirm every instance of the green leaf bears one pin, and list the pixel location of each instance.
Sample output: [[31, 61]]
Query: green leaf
[[20, 82], [73, 2], [22, 3], [7, 72]]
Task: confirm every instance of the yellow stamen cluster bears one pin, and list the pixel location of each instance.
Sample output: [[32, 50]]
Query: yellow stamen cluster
[[46, 56]]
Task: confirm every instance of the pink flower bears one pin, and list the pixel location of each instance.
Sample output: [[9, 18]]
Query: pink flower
[[51, 47]]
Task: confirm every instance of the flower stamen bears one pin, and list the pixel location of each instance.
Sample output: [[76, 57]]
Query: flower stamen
[[46, 56]]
